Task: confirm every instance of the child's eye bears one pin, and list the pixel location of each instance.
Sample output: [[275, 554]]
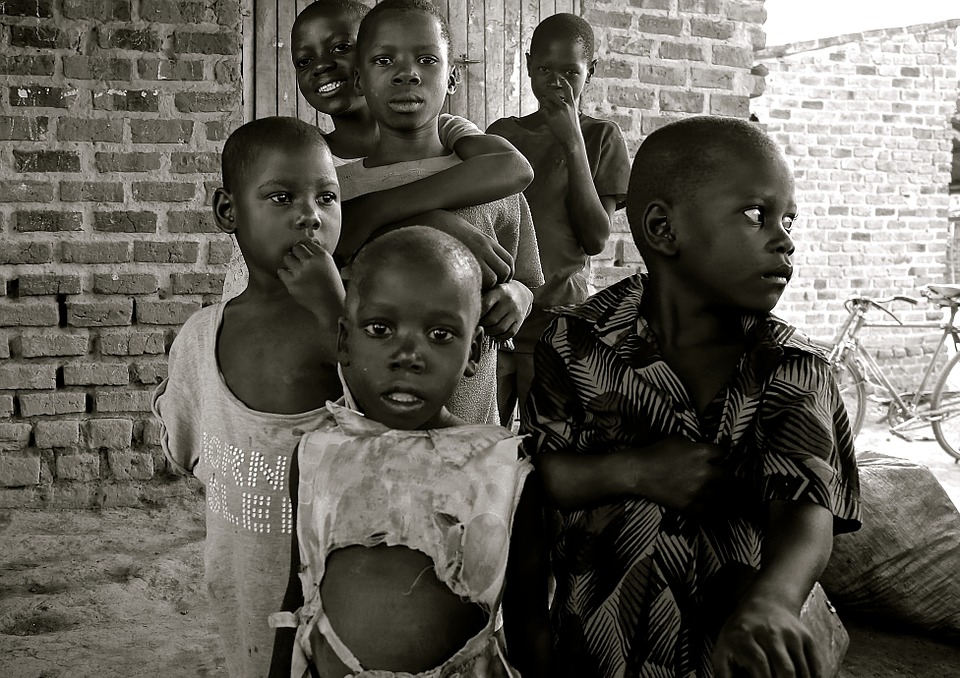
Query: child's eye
[[378, 330], [301, 63], [755, 215], [281, 198], [788, 221], [328, 198], [428, 60], [382, 61], [342, 48], [441, 335]]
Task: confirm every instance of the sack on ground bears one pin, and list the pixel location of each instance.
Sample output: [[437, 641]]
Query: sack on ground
[[903, 565]]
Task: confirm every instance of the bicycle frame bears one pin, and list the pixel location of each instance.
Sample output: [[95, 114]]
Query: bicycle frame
[[847, 339]]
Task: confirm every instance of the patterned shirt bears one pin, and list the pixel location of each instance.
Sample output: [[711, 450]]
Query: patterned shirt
[[642, 589]]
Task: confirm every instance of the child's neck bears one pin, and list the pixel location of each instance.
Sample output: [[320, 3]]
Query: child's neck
[[403, 145], [354, 135], [686, 324]]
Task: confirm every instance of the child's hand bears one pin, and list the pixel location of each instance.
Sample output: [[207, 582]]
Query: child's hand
[[504, 308], [496, 264], [685, 475], [313, 280], [560, 108], [764, 639]]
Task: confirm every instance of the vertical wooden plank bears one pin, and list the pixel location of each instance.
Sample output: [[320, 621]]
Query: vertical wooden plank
[[514, 68], [564, 6], [493, 56], [476, 91], [530, 17], [286, 77], [266, 58], [248, 57], [457, 19], [547, 8]]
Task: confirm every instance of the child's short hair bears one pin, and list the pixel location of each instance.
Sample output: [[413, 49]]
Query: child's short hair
[[248, 141], [674, 159], [427, 246], [565, 27], [351, 9], [373, 16]]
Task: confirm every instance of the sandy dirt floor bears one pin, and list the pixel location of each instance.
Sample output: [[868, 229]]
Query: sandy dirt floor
[[117, 593]]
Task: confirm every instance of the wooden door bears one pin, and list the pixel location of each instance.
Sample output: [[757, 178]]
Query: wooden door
[[488, 41]]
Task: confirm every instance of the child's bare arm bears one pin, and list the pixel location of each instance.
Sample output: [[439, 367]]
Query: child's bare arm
[[491, 169], [293, 598], [504, 308], [764, 636], [590, 214], [525, 612], [313, 280]]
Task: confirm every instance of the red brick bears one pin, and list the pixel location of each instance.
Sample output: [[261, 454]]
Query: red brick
[[152, 372], [78, 467], [631, 97], [681, 101], [163, 191], [127, 162], [663, 5], [25, 191], [21, 313], [738, 57], [109, 433], [206, 102], [729, 105], [144, 40], [101, 10], [50, 434], [165, 312], [6, 405], [105, 252], [87, 129], [708, 28], [197, 283], [660, 25], [217, 130], [661, 75], [144, 131], [206, 43], [621, 20], [630, 44], [615, 69], [219, 251], [14, 436], [39, 376], [51, 221], [26, 253], [681, 51], [96, 68], [38, 284], [46, 345], [129, 465], [169, 12], [170, 69], [46, 161], [123, 401], [185, 163], [125, 283], [22, 128], [113, 313], [84, 374], [19, 471], [191, 222], [38, 95], [133, 100], [125, 222], [45, 404], [91, 191], [135, 343], [40, 9], [43, 37], [24, 64], [227, 72], [166, 252], [711, 78]]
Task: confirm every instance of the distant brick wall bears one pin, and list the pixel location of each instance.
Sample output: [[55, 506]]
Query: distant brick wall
[[865, 119], [661, 60], [112, 113]]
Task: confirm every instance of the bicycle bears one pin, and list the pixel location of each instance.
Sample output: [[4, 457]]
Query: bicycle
[[850, 361]]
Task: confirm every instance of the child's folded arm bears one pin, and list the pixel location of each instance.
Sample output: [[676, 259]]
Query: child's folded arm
[[175, 404], [590, 214], [765, 628]]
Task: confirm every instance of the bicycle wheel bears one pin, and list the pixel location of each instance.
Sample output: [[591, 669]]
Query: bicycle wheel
[[946, 402], [850, 382]]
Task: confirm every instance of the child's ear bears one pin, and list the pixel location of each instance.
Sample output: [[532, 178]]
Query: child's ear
[[591, 70], [453, 80], [476, 348], [657, 229], [223, 210], [343, 353], [357, 85]]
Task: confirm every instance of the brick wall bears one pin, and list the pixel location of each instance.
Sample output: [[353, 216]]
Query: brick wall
[[661, 60], [865, 119], [112, 114]]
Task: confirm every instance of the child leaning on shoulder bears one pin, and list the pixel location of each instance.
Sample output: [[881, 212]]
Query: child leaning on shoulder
[[411, 527], [248, 376], [695, 445]]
